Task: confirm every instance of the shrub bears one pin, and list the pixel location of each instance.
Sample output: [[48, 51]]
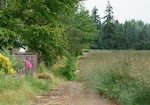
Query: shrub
[[42, 67], [70, 68], [68, 71], [17, 64], [5, 65]]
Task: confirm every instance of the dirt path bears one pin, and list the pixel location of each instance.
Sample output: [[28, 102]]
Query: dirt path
[[71, 93]]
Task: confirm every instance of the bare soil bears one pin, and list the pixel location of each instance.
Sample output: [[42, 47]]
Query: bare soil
[[72, 93]]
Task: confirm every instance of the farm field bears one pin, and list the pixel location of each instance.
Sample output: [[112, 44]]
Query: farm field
[[136, 63], [119, 74]]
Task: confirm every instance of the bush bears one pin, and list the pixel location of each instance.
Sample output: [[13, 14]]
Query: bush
[[68, 71], [5, 65], [26, 88], [42, 67], [17, 64]]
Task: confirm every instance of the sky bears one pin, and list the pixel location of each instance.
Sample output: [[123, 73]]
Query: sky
[[123, 9]]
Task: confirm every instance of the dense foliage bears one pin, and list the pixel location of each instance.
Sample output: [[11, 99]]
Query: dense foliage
[[81, 31], [49, 28]]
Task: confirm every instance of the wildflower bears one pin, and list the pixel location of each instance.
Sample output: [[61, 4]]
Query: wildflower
[[28, 65]]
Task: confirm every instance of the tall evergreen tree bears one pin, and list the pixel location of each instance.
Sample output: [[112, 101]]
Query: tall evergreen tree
[[96, 17], [111, 36], [97, 21], [109, 17], [108, 29]]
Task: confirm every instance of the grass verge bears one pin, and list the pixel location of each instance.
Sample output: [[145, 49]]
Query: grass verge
[[20, 90]]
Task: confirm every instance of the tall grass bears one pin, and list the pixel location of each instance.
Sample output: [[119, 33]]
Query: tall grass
[[16, 90], [19, 91], [121, 75]]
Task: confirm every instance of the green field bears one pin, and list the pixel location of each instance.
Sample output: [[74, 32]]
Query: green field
[[122, 75]]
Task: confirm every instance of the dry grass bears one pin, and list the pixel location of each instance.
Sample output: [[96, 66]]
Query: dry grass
[[135, 63], [123, 75]]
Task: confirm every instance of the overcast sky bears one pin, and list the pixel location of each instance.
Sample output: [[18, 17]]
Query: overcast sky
[[123, 9]]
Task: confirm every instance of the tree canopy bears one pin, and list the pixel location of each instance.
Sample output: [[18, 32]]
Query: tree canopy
[[49, 28]]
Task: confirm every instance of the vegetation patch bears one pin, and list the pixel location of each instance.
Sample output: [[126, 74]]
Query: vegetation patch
[[5, 65], [69, 68], [121, 76], [124, 88]]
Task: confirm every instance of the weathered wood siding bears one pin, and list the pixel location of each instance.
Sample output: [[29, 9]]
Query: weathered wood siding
[[30, 57]]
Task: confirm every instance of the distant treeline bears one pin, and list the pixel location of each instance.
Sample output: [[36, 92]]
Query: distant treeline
[[131, 34]]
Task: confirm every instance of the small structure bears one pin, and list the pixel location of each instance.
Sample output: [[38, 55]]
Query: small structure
[[22, 54], [32, 58]]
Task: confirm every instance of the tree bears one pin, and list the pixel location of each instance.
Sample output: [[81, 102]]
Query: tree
[[96, 18], [37, 24], [120, 39], [109, 17], [7, 38], [108, 29], [111, 35], [137, 33], [97, 21], [84, 31]]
